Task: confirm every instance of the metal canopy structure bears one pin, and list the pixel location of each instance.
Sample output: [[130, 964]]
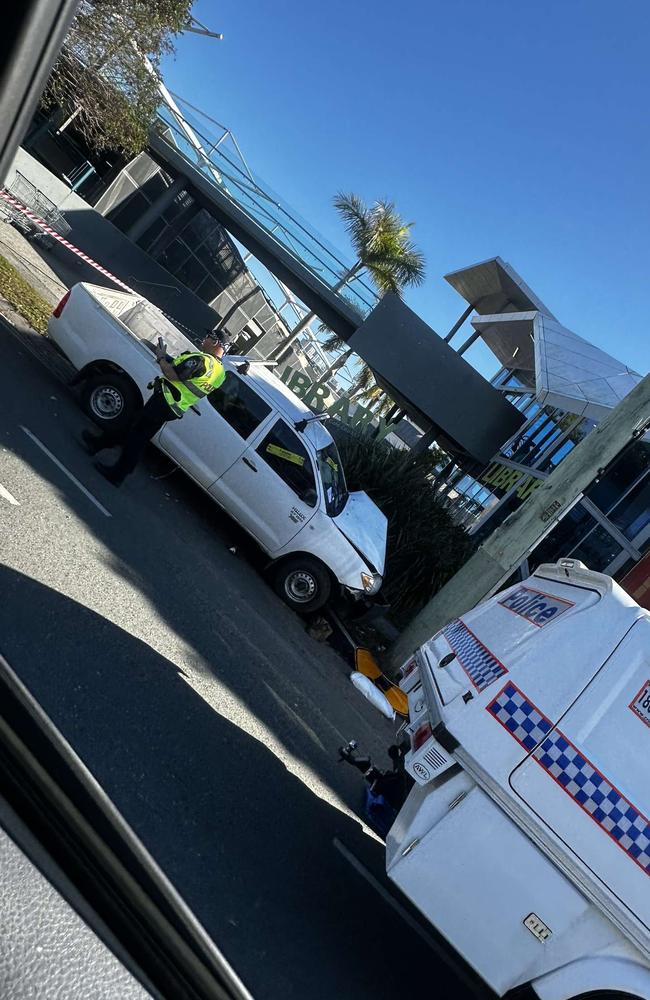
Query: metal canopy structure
[[510, 338], [495, 287], [564, 369]]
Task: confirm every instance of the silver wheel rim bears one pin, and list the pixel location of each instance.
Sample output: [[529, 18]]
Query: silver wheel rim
[[300, 586], [106, 402]]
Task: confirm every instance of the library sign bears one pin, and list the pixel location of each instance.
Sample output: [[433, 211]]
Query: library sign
[[320, 398], [502, 478]]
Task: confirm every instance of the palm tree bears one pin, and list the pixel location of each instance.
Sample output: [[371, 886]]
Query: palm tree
[[364, 389], [382, 247]]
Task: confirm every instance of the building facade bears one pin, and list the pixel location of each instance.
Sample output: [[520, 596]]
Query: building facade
[[563, 386]]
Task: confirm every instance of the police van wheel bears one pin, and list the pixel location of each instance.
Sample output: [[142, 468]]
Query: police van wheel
[[303, 583], [110, 399]]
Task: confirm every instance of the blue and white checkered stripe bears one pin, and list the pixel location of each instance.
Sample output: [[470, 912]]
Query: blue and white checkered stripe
[[480, 665], [522, 720], [608, 807], [590, 789]]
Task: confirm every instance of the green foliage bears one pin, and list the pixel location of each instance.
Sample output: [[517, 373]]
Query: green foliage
[[365, 390], [381, 243], [107, 74], [383, 247], [332, 342], [425, 547], [25, 300]]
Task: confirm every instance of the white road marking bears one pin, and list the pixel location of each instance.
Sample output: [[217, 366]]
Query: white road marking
[[67, 472], [415, 926], [7, 496]]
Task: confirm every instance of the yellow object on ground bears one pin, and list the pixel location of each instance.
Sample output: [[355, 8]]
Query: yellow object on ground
[[368, 666]]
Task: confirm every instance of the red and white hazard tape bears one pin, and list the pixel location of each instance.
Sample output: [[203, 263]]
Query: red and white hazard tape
[[88, 260], [66, 243]]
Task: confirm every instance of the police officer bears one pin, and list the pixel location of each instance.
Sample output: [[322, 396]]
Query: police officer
[[185, 380]]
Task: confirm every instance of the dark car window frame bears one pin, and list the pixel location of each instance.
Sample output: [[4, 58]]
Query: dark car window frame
[[283, 466], [226, 406]]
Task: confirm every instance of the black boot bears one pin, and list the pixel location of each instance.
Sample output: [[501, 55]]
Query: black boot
[[109, 473], [91, 442]]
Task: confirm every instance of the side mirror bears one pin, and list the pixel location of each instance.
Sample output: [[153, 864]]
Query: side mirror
[[310, 497], [372, 694]]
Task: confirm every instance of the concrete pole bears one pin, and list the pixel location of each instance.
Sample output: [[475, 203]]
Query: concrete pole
[[506, 547], [424, 443], [155, 210]]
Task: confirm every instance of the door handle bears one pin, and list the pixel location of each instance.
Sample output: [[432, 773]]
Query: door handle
[[250, 465]]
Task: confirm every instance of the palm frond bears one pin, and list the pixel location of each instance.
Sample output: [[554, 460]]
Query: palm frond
[[332, 342], [356, 219], [363, 382], [382, 242]]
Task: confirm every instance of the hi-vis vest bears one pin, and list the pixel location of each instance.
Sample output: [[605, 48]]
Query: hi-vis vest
[[183, 394]]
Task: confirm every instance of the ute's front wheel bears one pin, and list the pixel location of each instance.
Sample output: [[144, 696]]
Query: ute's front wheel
[[303, 583]]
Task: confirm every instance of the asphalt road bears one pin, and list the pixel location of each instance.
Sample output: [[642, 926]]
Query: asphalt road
[[200, 704]]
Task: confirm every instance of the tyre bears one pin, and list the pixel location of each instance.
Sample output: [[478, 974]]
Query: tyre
[[606, 995], [303, 583], [110, 399]]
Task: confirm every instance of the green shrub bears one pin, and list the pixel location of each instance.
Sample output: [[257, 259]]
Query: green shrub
[[25, 300], [425, 547]]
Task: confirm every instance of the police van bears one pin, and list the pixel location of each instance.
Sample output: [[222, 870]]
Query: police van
[[525, 838]]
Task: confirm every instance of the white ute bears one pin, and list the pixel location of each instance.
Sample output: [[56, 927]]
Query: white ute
[[252, 445], [526, 837]]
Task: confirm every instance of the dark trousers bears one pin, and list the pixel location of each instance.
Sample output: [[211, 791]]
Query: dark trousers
[[133, 439]]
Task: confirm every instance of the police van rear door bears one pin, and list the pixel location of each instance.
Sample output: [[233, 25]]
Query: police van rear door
[[589, 779]]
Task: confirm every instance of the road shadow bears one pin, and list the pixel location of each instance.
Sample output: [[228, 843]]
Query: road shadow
[[203, 795], [246, 841]]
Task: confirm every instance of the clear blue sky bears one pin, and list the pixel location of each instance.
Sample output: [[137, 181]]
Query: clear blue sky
[[509, 127]]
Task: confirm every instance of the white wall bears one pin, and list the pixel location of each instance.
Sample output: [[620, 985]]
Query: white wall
[[42, 178]]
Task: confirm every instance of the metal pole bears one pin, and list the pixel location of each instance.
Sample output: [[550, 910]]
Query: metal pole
[[504, 550], [155, 209], [457, 325], [468, 343]]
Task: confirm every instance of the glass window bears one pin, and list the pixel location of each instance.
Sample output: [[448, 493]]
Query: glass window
[[283, 450], [239, 405], [632, 514], [629, 467], [130, 210], [152, 233], [208, 289], [191, 273], [576, 433], [543, 445], [173, 256], [597, 550], [521, 402], [556, 457], [333, 479], [198, 228], [180, 204], [579, 536]]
